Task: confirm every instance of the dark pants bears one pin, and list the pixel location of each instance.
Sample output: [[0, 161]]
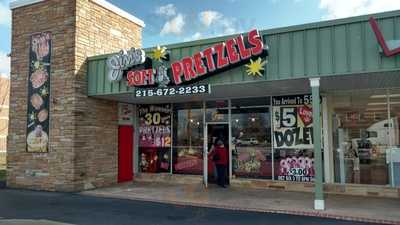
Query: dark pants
[[221, 171]]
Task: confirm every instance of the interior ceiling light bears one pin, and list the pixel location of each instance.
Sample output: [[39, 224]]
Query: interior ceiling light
[[376, 109], [385, 96], [383, 103]]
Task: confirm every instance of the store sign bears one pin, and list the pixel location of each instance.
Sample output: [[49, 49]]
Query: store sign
[[161, 80], [228, 53], [389, 47], [296, 168], [292, 121], [173, 91], [155, 137], [125, 114], [122, 61], [155, 126], [39, 93]]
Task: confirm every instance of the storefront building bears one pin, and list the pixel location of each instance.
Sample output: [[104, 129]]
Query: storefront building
[[153, 114]]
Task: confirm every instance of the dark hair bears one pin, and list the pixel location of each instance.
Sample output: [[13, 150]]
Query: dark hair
[[218, 140]]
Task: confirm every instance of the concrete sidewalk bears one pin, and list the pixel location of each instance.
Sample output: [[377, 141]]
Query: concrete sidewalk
[[363, 209]]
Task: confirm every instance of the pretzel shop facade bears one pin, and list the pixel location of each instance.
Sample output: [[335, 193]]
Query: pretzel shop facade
[[254, 92], [153, 114]]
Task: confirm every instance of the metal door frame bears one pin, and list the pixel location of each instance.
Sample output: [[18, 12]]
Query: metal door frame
[[205, 150]]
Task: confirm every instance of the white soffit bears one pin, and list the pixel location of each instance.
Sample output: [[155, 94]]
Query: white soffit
[[20, 3]]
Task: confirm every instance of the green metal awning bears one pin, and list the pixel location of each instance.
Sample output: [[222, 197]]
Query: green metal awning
[[343, 50]]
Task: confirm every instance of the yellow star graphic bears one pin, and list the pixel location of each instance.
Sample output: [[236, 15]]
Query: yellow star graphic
[[159, 53], [254, 68]]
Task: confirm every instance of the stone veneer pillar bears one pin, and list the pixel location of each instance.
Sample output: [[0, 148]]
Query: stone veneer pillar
[[83, 131]]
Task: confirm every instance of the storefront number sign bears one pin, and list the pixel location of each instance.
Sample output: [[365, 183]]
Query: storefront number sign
[[176, 90], [39, 93], [164, 81], [292, 118]]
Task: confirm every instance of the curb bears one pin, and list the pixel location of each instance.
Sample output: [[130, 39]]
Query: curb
[[248, 209]]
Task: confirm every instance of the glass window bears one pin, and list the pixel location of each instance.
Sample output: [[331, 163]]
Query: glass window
[[251, 137], [393, 154], [217, 111], [293, 138], [188, 138], [154, 138], [361, 136], [394, 99]]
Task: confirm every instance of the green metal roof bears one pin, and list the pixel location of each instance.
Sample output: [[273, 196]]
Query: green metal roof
[[329, 48]]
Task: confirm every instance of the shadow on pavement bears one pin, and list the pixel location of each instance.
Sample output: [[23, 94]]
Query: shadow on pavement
[[2, 184]]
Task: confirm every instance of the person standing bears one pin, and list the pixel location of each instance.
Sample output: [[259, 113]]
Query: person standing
[[356, 166], [220, 157]]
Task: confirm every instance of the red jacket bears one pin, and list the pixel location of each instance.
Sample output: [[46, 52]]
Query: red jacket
[[222, 155]]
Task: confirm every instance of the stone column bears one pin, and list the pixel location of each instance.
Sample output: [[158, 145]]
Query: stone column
[[83, 146]]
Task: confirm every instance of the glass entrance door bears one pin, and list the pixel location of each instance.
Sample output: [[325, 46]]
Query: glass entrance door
[[215, 132]]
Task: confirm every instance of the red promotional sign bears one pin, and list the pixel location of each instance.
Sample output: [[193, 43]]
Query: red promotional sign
[[305, 114], [381, 39]]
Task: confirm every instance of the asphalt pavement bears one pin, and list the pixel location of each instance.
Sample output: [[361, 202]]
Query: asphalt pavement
[[20, 207]]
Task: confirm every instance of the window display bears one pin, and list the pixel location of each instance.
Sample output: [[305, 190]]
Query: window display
[[274, 142], [154, 138], [188, 138], [293, 138], [294, 165], [154, 160], [394, 101], [393, 154], [363, 131], [251, 137]]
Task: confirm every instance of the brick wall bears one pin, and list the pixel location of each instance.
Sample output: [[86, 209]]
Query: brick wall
[[83, 131], [42, 171], [98, 31]]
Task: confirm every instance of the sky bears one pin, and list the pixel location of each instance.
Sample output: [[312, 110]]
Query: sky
[[173, 21]]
